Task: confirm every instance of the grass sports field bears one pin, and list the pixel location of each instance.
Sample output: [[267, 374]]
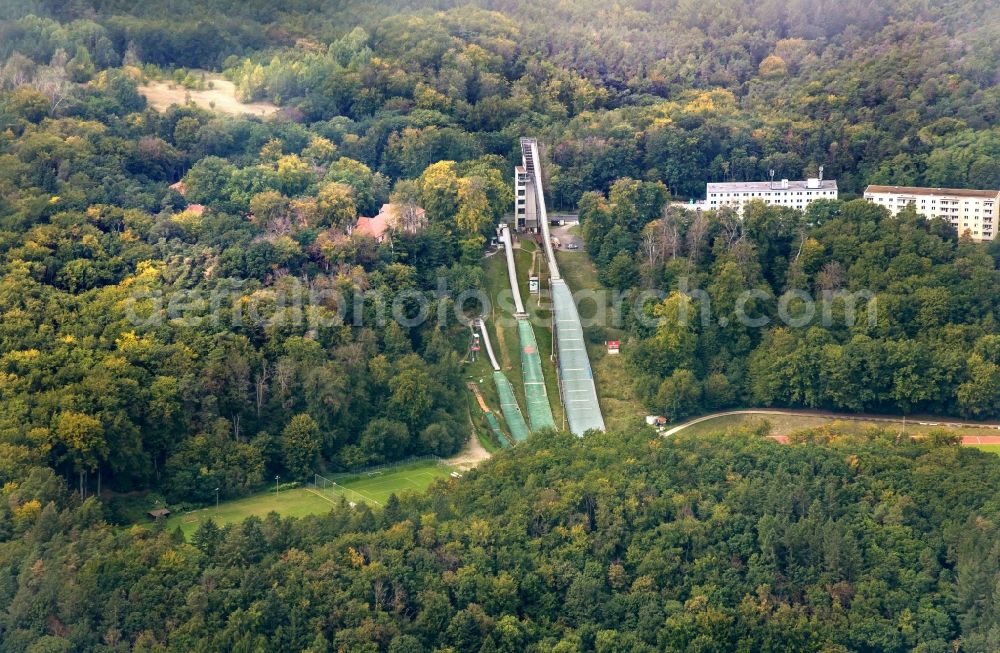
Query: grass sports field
[[289, 503], [373, 489]]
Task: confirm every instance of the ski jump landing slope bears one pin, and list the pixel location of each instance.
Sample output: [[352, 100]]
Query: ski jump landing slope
[[535, 394], [508, 402]]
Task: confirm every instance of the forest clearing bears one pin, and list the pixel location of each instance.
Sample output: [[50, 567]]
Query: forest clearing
[[219, 95]]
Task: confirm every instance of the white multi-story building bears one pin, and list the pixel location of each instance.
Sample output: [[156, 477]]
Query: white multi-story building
[[972, 212], [793, 194]]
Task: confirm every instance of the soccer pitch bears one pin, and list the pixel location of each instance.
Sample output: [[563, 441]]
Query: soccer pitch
[[372, 488], [288, 503]]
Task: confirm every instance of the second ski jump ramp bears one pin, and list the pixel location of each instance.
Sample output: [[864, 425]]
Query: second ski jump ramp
[[535, 396], [508, 402], [512, 270]]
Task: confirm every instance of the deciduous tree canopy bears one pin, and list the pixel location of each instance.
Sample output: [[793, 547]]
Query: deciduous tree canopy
[[187, 310]]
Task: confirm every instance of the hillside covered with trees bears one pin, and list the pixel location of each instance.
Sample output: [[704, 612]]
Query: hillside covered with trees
[[187, 308], [682, 92], [841, 307], [615, 542], [375, 103]]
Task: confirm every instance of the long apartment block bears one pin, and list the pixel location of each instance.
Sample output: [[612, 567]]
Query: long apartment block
[[794, 194], [971, 212]]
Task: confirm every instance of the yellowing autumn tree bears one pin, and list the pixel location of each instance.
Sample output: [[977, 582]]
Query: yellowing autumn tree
[[294, 174], [473, 207], [773, 66], [335, 205], [267, 206], [439, 186], [320, 151]]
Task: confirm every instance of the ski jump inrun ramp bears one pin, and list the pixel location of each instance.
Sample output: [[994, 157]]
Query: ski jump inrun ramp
[[576, 378]]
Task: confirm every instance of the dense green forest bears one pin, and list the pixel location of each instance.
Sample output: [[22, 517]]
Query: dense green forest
[[672, 90], [615, 542], [132, 324], [185, 307], [852, 309]]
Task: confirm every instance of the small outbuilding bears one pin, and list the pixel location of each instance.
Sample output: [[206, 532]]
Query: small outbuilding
[[658, 422], [159, 513]]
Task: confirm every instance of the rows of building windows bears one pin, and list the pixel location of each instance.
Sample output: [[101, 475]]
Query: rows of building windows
[[783, 197], [973, 215], [775, 193]]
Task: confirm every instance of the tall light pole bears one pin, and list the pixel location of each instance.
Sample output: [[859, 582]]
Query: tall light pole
[[216, 500], [275, 485]]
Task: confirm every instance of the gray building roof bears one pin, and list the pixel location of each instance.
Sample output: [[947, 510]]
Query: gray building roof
[[913, 190], [747, 186]]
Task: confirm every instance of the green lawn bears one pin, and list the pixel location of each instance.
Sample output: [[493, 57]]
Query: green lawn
[[289, 503], [995, 448], [373, 489], [723, 423]]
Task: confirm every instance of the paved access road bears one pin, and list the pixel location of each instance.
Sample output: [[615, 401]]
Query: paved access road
[[860, 417], [566, 239]]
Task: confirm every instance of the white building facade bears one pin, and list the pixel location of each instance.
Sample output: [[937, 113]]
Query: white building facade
[[972, 212], [525, 211], [793, 194]]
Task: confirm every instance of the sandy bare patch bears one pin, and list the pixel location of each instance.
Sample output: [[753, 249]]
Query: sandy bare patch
[[221, 98], [471, 455]]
